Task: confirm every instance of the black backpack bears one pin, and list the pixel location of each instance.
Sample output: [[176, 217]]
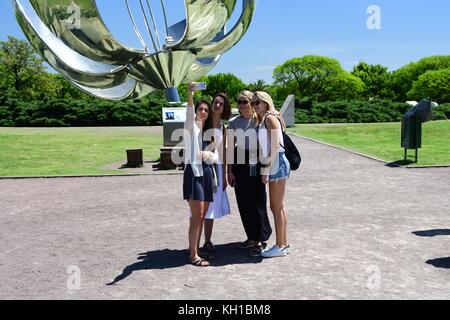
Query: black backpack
[[290, 150]]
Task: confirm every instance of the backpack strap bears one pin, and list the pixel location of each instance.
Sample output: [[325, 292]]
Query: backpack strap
[[281, 124]]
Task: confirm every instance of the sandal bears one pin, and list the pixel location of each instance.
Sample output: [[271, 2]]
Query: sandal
[[199, 262], [247, 244], [209, 247]]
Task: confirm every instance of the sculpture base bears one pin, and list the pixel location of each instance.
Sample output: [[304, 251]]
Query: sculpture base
[[171, 158]]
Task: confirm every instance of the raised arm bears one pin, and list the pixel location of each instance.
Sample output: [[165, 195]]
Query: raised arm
[[190, 112]]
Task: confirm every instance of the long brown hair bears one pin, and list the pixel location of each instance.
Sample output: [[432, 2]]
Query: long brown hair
[[226, 114]]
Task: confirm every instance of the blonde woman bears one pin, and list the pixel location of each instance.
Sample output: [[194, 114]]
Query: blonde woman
[[275, 167], [199, 177], [243, 176]]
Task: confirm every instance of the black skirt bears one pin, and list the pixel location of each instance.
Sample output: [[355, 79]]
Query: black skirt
[[198, 188]]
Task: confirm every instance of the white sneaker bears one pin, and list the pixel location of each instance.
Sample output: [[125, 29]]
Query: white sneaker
[[287, 249], [275, 251]]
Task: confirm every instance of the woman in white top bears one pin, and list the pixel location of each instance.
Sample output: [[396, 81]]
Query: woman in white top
[[199, 180], [275, 167], [220, 207]]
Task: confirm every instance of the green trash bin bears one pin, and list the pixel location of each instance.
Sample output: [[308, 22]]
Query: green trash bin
[[412, 126], [411, 133]]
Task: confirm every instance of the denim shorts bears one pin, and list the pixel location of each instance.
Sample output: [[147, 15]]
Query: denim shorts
[[283, 169]]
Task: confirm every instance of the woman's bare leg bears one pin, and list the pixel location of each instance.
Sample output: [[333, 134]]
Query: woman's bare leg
[[277, 190], [195, 226]]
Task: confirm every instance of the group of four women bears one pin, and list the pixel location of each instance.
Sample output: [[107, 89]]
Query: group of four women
[[247, 155]]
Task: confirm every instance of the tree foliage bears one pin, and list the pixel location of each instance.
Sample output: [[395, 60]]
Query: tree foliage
[[21, 69], [259, 85], [31, 96], [402, 80], [223, 82], [375, 79], [320, 76], [432, 85]]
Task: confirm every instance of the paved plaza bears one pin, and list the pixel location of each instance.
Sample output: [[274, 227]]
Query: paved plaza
[[358, 230]]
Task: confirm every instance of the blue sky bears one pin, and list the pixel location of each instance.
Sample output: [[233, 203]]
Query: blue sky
[[284, 29]]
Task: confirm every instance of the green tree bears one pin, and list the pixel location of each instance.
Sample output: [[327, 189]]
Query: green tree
[[317, 75], [403, 79], [20, 67], [375, 78], [259, 85], [432, 85], [223, 82]]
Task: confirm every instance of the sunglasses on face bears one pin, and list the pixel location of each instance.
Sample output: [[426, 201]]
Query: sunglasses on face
[[244, 102], [256, 103]]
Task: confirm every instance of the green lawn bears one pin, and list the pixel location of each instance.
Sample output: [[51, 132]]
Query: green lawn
[[382, 140], [72, 151], [83, 151]]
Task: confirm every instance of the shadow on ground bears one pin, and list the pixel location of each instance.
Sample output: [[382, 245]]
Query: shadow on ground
[[227, 254], [152, 164], [400, 163], [440, 263], [433, 233]]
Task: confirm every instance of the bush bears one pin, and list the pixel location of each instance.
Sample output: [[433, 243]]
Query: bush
[[442, 112], [351, 112], [87, 112]]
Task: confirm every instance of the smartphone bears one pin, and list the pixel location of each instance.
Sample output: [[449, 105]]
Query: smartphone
[[200, 86]]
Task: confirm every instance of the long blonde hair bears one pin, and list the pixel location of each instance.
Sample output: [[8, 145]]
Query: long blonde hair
[[265, 97]]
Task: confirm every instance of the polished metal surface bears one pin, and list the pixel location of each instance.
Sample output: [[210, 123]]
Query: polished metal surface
[[205, 19], [89, 56], [128, 90], [200, 68], [89, 36], [164, 69], [230, 39]]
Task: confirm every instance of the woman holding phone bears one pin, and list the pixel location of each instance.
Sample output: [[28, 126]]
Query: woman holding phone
[[199, 180]]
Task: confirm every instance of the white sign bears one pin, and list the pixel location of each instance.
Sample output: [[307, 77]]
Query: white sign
[[174, 115]]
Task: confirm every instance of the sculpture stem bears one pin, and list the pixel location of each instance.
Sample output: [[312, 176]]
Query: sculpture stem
[[172, 94]]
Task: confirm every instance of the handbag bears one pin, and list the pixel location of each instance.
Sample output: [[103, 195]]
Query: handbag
[[290, 149]]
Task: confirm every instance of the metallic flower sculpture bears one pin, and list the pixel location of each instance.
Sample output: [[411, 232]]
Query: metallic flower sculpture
[[89, 56]]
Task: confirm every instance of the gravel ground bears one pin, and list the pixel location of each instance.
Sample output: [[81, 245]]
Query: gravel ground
[[358, 230]]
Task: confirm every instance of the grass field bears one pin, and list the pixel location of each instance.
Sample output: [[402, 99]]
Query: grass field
[[382, 140], [85, 151], [72, 151]]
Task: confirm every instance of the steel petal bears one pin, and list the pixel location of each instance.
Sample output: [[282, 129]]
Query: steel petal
[[200, 68], [129, 90], [232, 38], [205, 19], [42, 39], [79, 25], [163, 70]]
